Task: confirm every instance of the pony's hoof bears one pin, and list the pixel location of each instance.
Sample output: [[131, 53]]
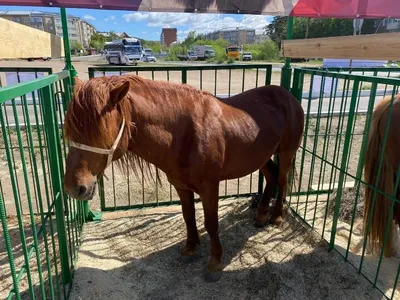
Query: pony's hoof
[[212, 276], [186, 259], [258, 224], [278, 221]]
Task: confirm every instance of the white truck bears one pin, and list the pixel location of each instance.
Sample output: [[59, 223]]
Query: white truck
[[125, 51], [204, 52]]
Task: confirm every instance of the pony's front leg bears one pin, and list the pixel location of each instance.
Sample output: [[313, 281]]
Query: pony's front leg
[[209, 198], [192, 241]]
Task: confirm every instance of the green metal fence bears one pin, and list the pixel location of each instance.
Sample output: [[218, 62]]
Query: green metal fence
[[121, 192], [40, 225], [330, 192]]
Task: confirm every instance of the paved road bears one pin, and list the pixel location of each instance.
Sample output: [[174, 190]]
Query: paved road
[[314, 108]]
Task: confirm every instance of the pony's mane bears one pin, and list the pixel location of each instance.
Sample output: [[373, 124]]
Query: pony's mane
[[89, 119]]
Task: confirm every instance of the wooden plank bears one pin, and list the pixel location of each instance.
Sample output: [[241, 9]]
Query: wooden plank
[[21, 41], [370, 46]]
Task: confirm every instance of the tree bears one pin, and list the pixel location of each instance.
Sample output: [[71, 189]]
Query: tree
[[97, 41], [324, 27], [153, 45], [76, 46]]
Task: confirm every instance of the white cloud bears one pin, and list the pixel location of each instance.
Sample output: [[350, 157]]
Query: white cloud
[[89, 17], [201, 23], [110, 18]]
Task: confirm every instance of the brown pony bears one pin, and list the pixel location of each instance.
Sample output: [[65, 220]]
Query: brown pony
[[197, 139], [387, 178]]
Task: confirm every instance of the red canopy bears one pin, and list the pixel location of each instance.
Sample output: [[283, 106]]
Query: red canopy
[[299, 8]]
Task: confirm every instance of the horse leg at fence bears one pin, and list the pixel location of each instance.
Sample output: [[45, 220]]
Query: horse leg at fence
[[270, 172], [209, 199], [192, 240], [285, 163]]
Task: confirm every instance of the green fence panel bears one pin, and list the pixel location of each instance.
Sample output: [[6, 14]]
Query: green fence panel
[[40, 226], [329, 196], [222, 80]]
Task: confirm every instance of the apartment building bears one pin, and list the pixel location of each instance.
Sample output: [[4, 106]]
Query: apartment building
[[234, 37], [168, 36], [79, 30]]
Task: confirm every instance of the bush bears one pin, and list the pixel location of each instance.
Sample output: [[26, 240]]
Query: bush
[[268, 50]]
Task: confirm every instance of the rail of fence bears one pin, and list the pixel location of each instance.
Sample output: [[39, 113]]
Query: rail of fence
[[40, 225], [122, 192], [329, 195]]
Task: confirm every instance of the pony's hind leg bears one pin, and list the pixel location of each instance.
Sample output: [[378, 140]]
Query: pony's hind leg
[[192, 241], [209, 198], [285, 160], [270, 171]]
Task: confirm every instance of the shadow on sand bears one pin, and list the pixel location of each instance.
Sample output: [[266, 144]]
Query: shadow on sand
[[136, 257]]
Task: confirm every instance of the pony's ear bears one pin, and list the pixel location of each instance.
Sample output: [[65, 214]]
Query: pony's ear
[[118, 93]]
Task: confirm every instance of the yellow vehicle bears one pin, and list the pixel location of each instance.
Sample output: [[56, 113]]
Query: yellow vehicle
[[233, 52]]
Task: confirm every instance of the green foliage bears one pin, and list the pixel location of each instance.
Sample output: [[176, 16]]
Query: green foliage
[[176, 50], [76, 46], [324, 27], [155, 46], [98, 40], [219, 47], [268, 50]]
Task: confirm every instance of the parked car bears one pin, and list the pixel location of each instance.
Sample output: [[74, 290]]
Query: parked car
[[149, 58], [247, 56]]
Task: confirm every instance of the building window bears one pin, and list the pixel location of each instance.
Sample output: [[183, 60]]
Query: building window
[[36, 19]]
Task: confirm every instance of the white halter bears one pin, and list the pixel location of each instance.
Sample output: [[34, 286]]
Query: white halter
[[109, 152]]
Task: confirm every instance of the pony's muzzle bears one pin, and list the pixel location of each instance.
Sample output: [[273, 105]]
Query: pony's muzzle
[[83, 192]]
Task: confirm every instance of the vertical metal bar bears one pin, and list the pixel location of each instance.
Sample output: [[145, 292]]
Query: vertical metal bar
[[361, 160], [47, 188], [268, 75], [17, 204], [10, 254], [339, 191], [315, 144], [215, 82], [396, 281], [184, 76], [336, 151], [113, 183], [286, 72], [28, 194], [378, 175], [39, 199], [14, 169], [52, 142], [305, 135], [67, 49], [389, 220], [201, 79]]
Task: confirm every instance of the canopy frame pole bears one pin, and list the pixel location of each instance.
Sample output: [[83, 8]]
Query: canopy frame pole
[[67, 49], [286, 74]]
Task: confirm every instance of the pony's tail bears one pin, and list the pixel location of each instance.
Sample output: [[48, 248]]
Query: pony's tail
[[382, 205]]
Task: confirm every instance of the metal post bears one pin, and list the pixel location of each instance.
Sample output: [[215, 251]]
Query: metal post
[[67, 49], [286, 73], [89, 215], [58, 195]]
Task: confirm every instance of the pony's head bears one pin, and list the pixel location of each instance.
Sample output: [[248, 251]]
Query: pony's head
[[97, 126]]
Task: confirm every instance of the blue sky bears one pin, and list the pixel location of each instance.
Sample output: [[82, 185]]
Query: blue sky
[[148, 25]]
